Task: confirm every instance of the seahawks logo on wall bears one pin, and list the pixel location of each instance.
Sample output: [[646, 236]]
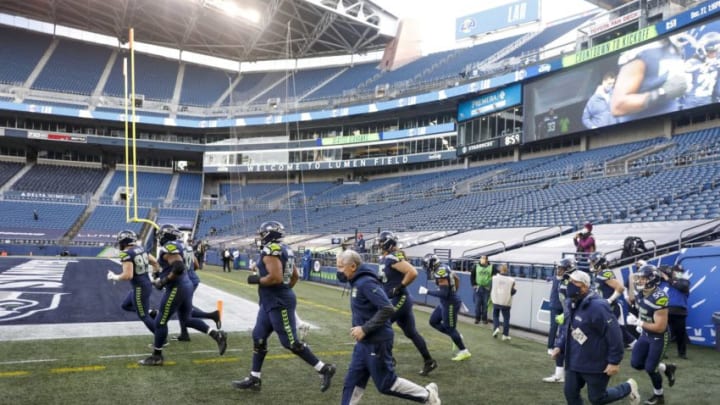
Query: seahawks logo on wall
[[316, 266]]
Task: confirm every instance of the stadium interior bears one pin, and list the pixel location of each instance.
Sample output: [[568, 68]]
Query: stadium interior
[[252, 149]]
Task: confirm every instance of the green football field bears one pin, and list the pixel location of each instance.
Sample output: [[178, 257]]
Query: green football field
[[103, 370]]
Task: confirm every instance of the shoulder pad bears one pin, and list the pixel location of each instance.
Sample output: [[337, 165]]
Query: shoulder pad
[[272, 249], [392, 257], [400, 255], [607, 275], [170, 247], [125, 256]]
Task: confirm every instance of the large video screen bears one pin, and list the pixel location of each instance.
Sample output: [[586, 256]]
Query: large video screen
[[667, 75]]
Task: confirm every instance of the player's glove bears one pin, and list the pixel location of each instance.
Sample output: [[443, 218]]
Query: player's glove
[[112, 276], [253, 279], [422, 290], [397, 291], [159, 283], [674, 86], [560, 319], [632, 320]]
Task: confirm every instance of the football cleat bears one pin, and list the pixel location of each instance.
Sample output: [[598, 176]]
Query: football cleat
[[221, 338], [462, 355], [327, 372], [429, 366], [495, 332], [554, 379], [634, 392], [248, 383], [154, 360], [670, 373], [655, 400], [504, 338], [181, 338], [433, 394]]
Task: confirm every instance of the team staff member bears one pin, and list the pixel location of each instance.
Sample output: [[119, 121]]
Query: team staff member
[[652, 324], [396, 274], [371, 329], [275, 279], [677, 287], [481, 281], [593, 348]]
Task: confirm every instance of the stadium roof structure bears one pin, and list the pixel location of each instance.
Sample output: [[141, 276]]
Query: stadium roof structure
[[240, 30]]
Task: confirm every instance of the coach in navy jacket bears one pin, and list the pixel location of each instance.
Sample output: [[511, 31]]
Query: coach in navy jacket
[[593, 347], [372, 355]]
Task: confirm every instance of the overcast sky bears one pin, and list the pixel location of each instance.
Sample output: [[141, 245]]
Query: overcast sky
[[441, 14]]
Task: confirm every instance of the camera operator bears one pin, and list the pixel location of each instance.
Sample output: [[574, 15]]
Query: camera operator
[[677, 288]]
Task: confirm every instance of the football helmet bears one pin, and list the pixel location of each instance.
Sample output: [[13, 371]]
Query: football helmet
[[647, 277], [270, 231], [598, 261], [125, 238], [567, 264], [431, 262], [709, 43], [442, 271], [167, 233], [387, 240]]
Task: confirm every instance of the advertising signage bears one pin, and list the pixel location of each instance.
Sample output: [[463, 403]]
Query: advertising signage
[[509, 15], [490, 102], [676, 72]]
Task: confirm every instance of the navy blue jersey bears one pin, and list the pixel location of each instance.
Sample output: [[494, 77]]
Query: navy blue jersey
[[602, 277], [139, 259], [656, 300], [661, 60], [189, 257], [169, 248], [703, 83], [390, 277], [279, 295]]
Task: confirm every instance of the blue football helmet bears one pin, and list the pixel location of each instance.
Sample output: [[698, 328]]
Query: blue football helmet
[[387, 240], [270, 231], [649, 275], [125, 238], [167, 233], [431, 262], [598, 261]]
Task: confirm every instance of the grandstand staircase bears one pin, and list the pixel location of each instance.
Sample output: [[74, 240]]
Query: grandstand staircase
[[75, 228], [267, 89], [97, 93], [227, 92], [103, 185], [322, 84], [622, 164], [172, 189], [463, 187], [178, 90], [8, 184], [364, 198], [20, 96]]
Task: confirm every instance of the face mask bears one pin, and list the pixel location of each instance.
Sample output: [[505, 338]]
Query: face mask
[[341, 277], [573, 292]]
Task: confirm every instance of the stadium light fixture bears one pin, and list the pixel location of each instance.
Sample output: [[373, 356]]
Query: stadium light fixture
[[232, 9]]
